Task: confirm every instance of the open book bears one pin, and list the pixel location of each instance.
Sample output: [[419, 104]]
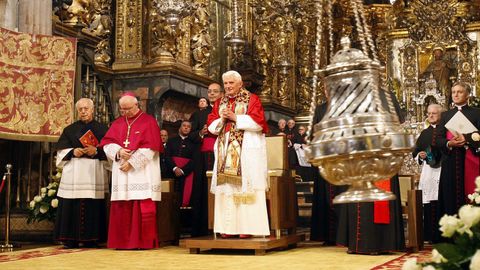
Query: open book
[[88, 139], [460, 124]]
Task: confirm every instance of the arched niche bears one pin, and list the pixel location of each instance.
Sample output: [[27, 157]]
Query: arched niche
[[173, 107]]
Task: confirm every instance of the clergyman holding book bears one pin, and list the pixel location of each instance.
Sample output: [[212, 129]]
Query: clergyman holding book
[[81, 214], [459, 139]]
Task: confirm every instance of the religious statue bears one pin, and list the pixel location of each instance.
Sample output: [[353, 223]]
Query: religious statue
[[163, 40], [100, 18], [441, 70], [102, 53], [76, 13]]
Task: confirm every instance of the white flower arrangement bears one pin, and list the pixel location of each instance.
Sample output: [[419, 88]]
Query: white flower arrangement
[[44, 206], [475, 263], [463, 252]]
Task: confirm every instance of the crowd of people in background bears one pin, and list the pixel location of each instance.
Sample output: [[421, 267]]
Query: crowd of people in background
[[226, 135]]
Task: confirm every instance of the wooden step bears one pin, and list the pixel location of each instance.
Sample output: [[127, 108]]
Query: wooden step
[[259, 244]]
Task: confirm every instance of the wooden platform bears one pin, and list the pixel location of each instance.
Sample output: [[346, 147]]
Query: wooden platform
[[259, 244]]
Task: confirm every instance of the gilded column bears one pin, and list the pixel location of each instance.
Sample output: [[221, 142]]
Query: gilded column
[[304, 52], [262, 48], [128, 35], [201, 42], [283, 51]]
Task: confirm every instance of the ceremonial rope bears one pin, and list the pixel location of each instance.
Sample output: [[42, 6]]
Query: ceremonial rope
[[3, 183]]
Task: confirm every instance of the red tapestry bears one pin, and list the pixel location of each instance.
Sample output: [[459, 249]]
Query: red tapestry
[[37, 74]]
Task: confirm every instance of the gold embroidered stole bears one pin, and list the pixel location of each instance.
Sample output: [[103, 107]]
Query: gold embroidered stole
[[229, 170]]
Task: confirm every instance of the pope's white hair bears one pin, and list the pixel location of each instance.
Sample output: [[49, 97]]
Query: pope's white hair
[[232, 73]]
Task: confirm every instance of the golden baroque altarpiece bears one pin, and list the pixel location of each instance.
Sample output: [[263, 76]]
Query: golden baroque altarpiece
[[424, 45]]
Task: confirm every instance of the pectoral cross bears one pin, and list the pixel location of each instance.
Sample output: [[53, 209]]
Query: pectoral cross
[[127, 142], [129, 125]]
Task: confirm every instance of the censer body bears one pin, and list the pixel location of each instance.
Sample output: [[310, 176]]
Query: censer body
[[360, 139]]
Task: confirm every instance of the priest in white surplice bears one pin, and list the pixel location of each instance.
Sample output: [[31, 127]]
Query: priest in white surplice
[[81, 209], [428, 154], [133, 144], [239, 180]]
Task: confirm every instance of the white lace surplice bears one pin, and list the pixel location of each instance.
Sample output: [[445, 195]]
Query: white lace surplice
[[141, 182]]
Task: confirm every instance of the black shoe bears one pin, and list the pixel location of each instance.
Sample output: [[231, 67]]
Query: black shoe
[[70, 244]]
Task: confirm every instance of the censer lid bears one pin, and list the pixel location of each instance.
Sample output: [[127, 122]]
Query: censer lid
[[349, 58]]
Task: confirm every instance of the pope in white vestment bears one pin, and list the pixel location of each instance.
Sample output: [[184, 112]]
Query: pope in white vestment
[[239, 181]]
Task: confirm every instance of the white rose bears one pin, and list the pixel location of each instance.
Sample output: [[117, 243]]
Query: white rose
[[54, 203], [477, 183], [477, 200], [437, 257], [475, 137], [470, 216], [43, 195], [44, 209], [448, 225], [32, 204], [51, 192], [475, 263], [43, 190], [411, 264], [58, 175], [37, 198], [428, 267], [49, 186]]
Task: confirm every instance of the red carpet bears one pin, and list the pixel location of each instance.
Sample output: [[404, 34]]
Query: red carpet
[[36, 253], [422, 256]]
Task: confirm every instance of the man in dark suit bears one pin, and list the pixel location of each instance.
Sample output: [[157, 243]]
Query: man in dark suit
[[460, 164]]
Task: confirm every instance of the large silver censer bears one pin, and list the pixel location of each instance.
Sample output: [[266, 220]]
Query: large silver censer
[[360, 139]]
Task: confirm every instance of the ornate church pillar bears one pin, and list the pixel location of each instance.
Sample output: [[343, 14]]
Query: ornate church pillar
[[35, 16], [128, 35]]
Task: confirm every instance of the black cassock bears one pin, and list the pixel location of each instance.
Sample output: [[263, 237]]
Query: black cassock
[[188, 148], [360, 234], [324, 213], [81, 220], [427, 142], [451, 194], [200, 189], [199, 119]]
